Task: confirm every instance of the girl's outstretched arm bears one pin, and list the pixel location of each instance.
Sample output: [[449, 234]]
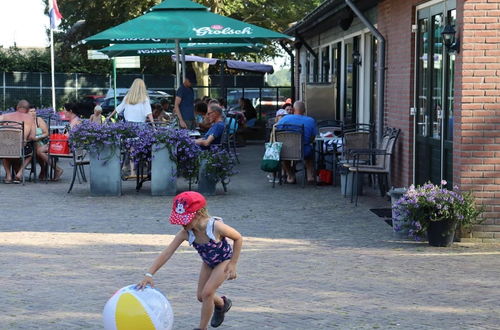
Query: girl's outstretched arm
[[229, 232], [164, 256]]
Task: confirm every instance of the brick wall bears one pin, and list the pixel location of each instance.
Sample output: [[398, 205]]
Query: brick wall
[[399, 81], [477, 125]]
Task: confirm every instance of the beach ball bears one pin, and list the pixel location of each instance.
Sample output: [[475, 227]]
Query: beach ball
[[131, 309]]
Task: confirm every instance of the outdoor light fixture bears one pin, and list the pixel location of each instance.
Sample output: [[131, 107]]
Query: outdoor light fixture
[[451, 42], [356, 58]]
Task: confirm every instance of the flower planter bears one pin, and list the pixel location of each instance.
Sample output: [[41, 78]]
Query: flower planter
[[346, 183], [441, 233], [163, 172], [206, 184], [399, 222], [105, 172]]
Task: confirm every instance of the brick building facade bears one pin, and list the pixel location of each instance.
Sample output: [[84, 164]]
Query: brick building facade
[[444, 98]]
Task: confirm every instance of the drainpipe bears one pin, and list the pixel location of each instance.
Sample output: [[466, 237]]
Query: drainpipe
[[380, 67]]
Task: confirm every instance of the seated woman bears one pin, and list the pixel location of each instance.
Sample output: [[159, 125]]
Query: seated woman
[[202, 121], [249, 111], [97, 116], [71, 113], [159, 113], [42, 146]]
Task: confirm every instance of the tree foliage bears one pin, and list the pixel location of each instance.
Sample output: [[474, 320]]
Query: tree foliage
[[99, 15]]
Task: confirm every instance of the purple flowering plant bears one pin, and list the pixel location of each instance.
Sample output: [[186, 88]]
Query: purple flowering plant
[[421, 205], [93, 137], [219, 163], [183, 150]]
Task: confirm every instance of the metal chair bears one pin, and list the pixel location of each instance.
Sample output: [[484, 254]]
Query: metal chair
[[229, 141], [334, 126], [381, 166], [292, 137], [77, 160], [12, 141]]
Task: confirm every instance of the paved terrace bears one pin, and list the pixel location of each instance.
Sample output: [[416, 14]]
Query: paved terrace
[[311, 260]]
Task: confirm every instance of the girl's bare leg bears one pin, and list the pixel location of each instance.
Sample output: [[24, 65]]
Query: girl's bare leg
[[208, 296]]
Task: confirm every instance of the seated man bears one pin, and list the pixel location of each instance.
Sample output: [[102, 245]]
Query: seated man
[[310, 131], [214, 134], [20, 115]]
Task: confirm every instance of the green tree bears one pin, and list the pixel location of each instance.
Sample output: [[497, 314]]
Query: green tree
[[102, 14]]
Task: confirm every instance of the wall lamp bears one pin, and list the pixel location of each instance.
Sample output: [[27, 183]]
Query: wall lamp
[[450, 40], [356, 58]]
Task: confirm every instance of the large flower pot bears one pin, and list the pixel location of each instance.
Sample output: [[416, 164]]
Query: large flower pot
[[206, 184], [399, 221], [346, 178], [441, 233], [105, 172], [163, 172]]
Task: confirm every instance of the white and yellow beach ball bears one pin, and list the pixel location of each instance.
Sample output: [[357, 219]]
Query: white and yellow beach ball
[[131, 309]]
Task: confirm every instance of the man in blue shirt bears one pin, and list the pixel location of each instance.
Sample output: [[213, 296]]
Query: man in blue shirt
[[310, 132], [214, 134], [184, 105]]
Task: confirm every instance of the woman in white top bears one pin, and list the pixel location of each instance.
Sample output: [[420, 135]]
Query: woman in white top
[[135, 105]]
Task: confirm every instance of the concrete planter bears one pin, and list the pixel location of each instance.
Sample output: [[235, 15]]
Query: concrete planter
[[105, 172], [206, 184], [399, 225], [346, 183], [163, 172]]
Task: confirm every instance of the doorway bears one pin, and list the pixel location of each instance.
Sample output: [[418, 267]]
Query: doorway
[[435, 69]]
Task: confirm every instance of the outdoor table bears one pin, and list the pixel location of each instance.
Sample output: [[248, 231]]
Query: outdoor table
[[194, 134], [321, 150]]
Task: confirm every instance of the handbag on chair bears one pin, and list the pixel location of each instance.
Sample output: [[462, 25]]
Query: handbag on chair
[[271, 160]]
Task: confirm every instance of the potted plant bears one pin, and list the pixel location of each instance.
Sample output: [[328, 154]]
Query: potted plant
[[103, 144], [435, 212], [216, 164], [172, 150]]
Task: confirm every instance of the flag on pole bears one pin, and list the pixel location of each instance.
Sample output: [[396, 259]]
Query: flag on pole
[[55, 15]]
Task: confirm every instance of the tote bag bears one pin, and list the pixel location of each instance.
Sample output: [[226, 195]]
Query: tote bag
[[271, 160], [59, 144]]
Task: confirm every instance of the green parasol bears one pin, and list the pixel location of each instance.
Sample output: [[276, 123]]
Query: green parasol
[[183, 21], [168, 49]]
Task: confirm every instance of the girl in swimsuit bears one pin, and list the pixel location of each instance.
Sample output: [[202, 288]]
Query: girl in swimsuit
[[208, 236]]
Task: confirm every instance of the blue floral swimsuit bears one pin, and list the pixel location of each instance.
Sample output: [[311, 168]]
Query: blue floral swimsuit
[[212, 253]]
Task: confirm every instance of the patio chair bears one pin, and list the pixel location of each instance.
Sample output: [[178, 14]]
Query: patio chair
[[229, 141], [334, 126], [12, 141], [292, 137], [78, 161], [381, 166], [367, 128]]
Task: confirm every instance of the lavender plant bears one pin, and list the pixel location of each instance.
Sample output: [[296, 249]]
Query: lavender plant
[[421, 205], [93, 137], [219, 163]]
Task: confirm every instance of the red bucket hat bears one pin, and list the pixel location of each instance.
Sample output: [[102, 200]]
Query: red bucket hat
[[185, 206]]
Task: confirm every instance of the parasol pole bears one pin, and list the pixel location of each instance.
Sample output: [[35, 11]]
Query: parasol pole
[[184, 64], [114, 81], [52, 69], [177, 73]]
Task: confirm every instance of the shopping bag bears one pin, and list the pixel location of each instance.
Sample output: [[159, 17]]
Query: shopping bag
[[59, 144], [271, 160], [325, 177]]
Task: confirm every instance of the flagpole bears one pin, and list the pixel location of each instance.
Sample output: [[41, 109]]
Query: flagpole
[[52, 69]]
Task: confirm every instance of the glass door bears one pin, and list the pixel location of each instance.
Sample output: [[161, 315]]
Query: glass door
[[350, 81], [434, 97], [335, 74]]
